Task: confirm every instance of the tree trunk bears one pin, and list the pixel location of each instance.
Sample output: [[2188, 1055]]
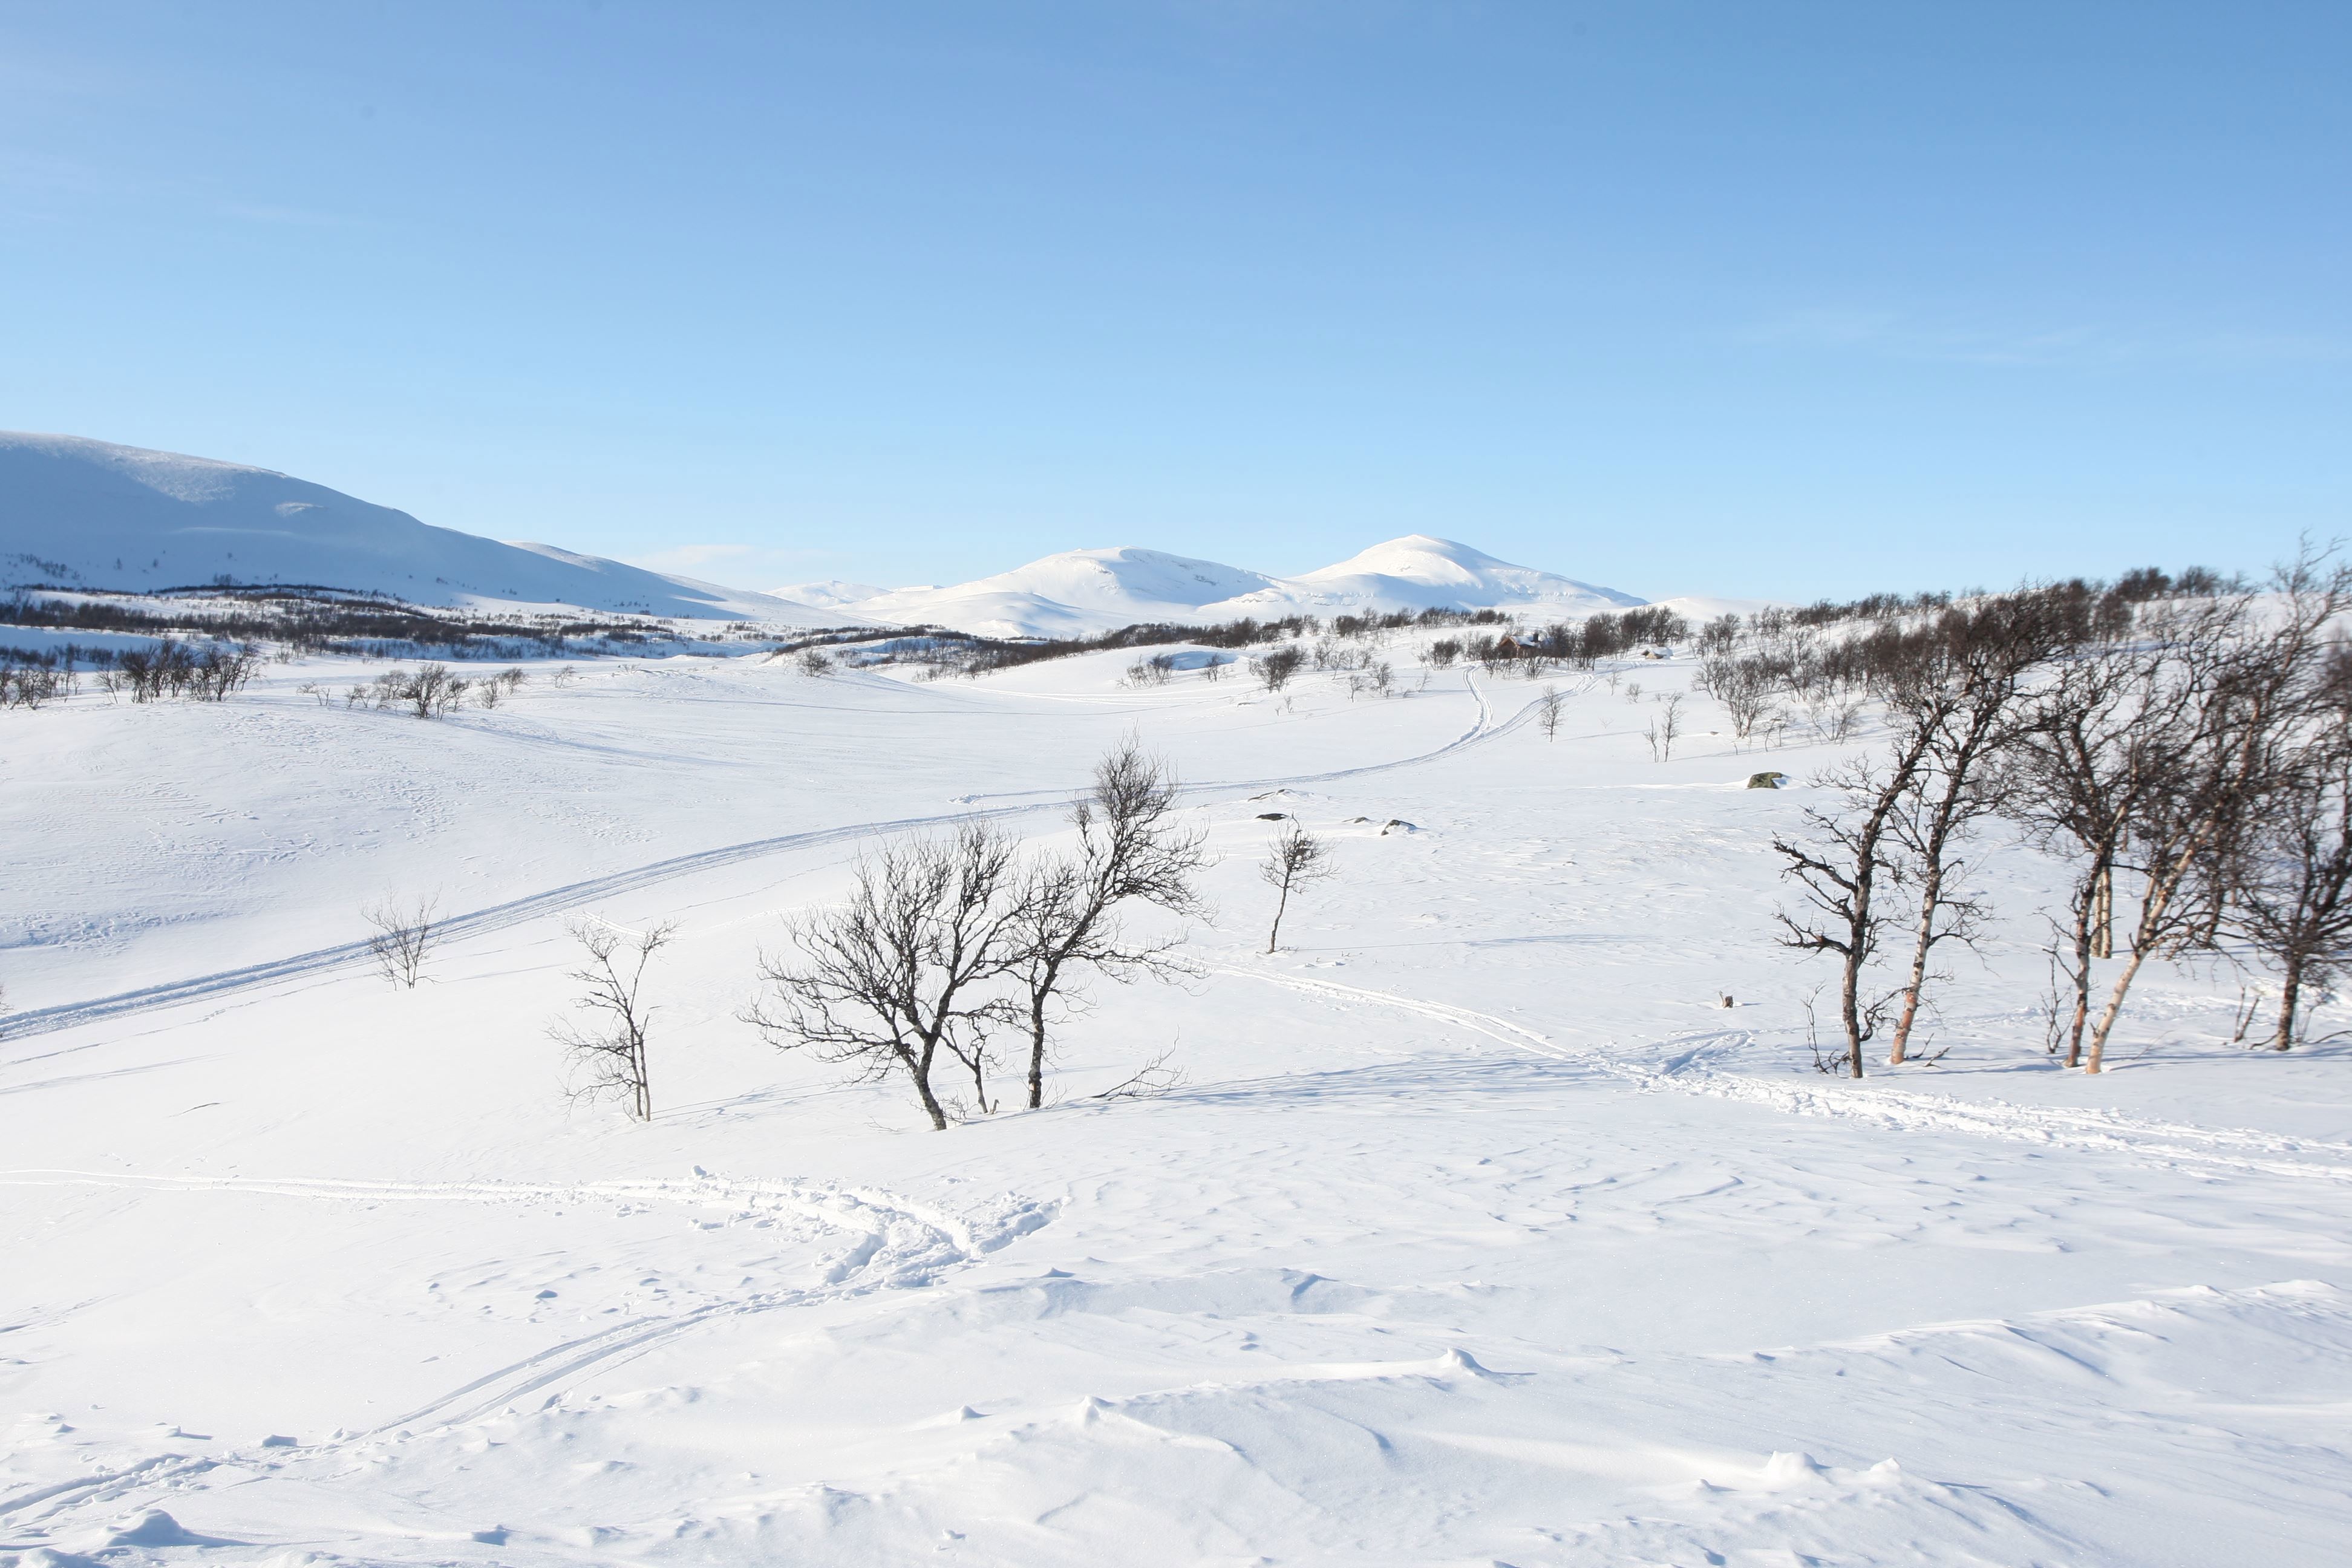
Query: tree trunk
[[2290, 990], [2102, 913], [1036, 1055], [919, 1070], [2114, 1006], [2153, 909], [1850, 1009], [1930, 893], [1280, 905], [2082, 914]]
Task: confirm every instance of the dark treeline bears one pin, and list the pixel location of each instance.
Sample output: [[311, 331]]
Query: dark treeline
[[2182, 745], [309, 620], [967, 653]]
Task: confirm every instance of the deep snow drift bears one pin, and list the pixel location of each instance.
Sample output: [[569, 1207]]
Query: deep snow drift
[[1481, 1230], [1079, 592], [82, 513]]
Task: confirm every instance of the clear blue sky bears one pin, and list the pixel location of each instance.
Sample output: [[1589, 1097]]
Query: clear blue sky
[[1778, 299]]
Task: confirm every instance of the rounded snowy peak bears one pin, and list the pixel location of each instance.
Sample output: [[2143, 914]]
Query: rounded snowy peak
[[1126, 575], [1421, 571]]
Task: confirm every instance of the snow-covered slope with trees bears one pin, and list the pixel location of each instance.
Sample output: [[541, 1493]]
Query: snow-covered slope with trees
[[90, 514], [1501, 1216], [1082, 590]]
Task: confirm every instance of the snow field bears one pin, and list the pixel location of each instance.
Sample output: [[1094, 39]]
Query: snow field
[[1479, 1232]]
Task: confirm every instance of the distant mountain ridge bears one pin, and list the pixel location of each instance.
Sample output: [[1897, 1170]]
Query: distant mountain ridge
[[75, 512], [1079, 592]]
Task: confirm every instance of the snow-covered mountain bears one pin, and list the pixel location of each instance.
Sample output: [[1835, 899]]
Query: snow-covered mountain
[[832, 592], [1079, 592], [78, 512], [1083, 591]]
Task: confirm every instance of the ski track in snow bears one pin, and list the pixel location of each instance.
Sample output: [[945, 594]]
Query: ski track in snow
[[899, 1244], [2232, 1150], [572, 895]]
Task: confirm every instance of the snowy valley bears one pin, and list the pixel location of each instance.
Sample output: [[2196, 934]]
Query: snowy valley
[[1499, 1215]]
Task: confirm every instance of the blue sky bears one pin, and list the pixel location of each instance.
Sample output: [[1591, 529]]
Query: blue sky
[[1779, 299]]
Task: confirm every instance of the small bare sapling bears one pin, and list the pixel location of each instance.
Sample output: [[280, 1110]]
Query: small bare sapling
[[608, 1046], [1294, 858], [1547, 710], [405, 934]]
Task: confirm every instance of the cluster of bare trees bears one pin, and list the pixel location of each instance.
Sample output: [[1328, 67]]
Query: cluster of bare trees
[[174, 669], [2187, 758], [30, 685], [950, 953]]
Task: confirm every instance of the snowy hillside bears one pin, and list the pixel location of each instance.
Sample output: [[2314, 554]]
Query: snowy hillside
[[1077, 592], [1083, 591], [82, 513], [1419, 572], [1501, 1217], [828, 593]]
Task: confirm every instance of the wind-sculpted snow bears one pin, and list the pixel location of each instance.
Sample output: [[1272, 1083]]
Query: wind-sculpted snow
[[1501, 1216]]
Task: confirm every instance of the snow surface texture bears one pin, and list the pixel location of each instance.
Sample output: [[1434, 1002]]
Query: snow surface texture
[[90, 514], [1080, 591], [1480, 1232]]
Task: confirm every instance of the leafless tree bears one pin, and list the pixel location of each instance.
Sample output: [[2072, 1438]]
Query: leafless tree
[[404, 935], [1293, 859], [2156, 759], [2098, 737], [1665, 728], [608, 1049], [1746, 688], [1839, 866], [2291, 889], [1132, 848], [1275, 669], [2252, 668], [911, 968], [429, 693], [1547, 712], [1444, 651], [1969, 705], [812, 661]]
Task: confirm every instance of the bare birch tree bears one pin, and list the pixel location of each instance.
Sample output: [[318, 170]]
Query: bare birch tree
[[1132, 848], [2247, 689], [1839, 866], [909, 970], [1547, 712], [608, 1048], [404, 935], [2291, 891], [1967, 717], [1293, 859]]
